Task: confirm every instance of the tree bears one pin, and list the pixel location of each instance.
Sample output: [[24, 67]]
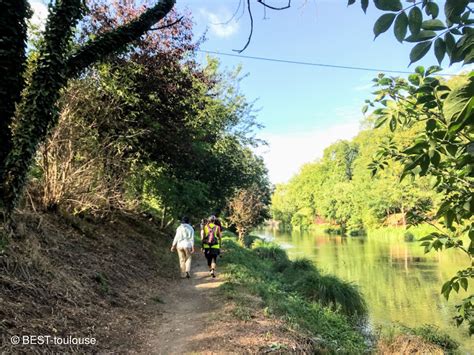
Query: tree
[[247, 209], [56, 63], [452, 36], [442, 151]]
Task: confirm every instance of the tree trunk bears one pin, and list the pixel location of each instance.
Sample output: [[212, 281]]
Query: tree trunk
[[241, 236], [404, 218], [13, 27]]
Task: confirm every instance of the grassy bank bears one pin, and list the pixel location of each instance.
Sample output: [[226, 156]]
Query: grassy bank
[[322, 308]]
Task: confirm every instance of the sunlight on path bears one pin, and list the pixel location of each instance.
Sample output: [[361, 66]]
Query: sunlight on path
[[188, 309]]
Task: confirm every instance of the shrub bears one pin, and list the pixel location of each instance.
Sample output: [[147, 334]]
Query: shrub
[[435, 336]]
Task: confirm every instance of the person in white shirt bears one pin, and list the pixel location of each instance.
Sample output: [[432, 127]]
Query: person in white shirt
[[184, 243]]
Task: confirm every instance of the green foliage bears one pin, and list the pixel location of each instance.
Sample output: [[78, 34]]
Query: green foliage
[[452, 36], [440, 152], [283, 294], [153, 129], [339, 188], [37, 113]]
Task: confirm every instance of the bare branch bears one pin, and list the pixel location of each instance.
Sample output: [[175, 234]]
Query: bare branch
[[251, 29], [232, 17], [262, 2], [168, 25]]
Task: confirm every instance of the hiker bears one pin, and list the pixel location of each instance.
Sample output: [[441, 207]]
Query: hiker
[[184, 243], [211, 242]]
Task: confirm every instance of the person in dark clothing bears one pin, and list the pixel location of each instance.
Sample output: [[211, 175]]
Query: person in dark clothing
[[211, 235]]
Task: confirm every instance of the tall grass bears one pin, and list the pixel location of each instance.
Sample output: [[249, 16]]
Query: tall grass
[[322, 307]]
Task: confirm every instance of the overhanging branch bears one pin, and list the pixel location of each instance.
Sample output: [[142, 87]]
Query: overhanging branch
[[116, 39], [168, 25], [262, 2]]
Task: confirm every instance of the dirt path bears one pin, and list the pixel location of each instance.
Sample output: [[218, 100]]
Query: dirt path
[[188, 310]]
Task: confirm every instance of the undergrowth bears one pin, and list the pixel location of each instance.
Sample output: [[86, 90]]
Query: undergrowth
[[321, 307], [427, 333]]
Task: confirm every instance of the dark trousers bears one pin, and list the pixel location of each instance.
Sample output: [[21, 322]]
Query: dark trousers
[[211, 257]]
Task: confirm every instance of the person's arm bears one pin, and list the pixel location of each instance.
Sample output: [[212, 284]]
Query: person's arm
[[219, 235], [202, 237], [175, 240], [192, 240]]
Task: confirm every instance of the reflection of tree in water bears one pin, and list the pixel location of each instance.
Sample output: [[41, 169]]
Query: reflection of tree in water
[[396, 278]]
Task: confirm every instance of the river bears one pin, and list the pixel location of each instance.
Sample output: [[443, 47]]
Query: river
[[399, 282]]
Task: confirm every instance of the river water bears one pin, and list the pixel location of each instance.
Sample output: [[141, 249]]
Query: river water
[[399, 282]]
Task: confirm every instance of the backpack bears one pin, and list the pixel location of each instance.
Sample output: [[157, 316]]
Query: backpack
[[211, 237]]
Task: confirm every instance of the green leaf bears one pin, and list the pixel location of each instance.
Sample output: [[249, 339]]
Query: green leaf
[[466, 116], [388, 5], [393, 124], [433, 69], [449, 218], [401, 26], [415, 18], [421, 36], [419, 51], [440, 49], [430, 124], [380, 121], [463, 282], [458, 100], [456, 286], [350, 2], [414, 79], [433, 25], [450, 43], [364, 4], [420, 70], [446, 286], [365, 108], [424, 164], [432, 9], [383, 24], [454, 8], [435, 159]]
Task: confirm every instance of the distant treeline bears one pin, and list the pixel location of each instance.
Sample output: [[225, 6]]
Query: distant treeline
[[339, 188]]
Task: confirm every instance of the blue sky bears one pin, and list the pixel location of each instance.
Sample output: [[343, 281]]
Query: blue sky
[[303, 109]]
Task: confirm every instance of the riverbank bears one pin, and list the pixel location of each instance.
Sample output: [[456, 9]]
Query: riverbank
[[115, 280], [400, 283], [325, 311]]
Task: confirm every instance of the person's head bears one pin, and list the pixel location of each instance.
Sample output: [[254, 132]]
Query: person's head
[[185, 219], [212, 219]]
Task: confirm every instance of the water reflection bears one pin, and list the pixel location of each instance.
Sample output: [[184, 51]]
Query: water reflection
[[399, 282]]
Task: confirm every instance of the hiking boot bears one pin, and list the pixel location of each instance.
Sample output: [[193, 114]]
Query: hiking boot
[[213, 273], [187, 275]]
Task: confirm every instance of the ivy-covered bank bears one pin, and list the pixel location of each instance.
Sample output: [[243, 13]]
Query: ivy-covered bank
[[325, 310]]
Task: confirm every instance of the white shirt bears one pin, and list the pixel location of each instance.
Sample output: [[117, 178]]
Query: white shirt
[[184, 238]]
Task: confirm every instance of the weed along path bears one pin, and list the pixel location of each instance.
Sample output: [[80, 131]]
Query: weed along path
[[189, 307]]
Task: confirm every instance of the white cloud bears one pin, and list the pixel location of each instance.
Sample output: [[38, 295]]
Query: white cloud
[[458, 68], [286, 153], [40, 13], [220, 23]]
